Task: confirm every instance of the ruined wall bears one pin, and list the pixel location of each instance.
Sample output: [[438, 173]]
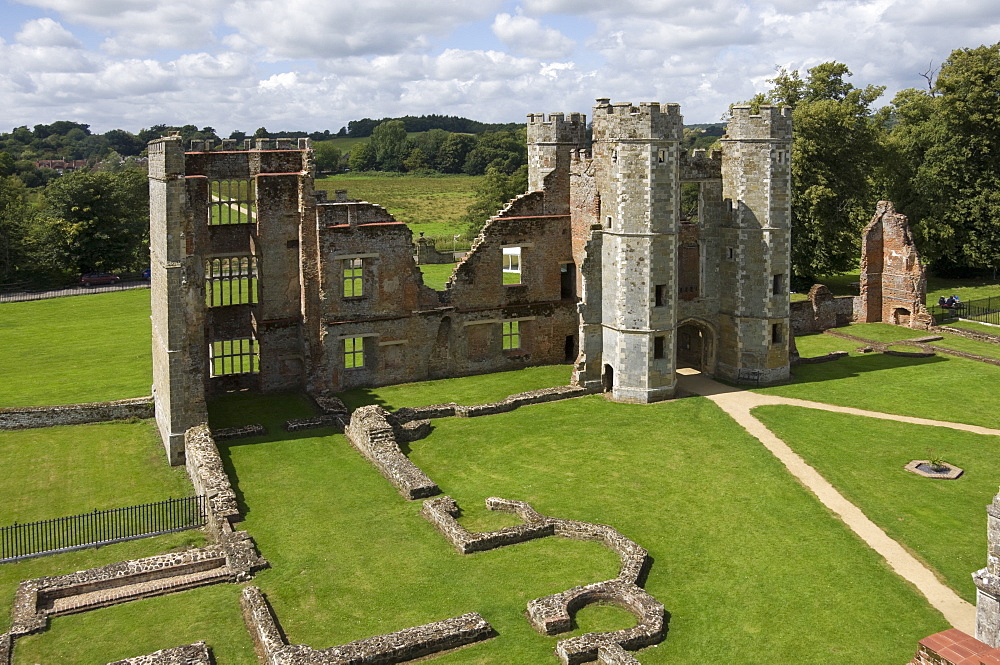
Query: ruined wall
[[30, 417], [893, 280], [821, 311]]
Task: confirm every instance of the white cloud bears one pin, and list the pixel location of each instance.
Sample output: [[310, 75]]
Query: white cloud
[[46, 32], [527, 36]]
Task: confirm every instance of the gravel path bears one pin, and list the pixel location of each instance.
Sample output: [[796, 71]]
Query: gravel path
[[738, 404]]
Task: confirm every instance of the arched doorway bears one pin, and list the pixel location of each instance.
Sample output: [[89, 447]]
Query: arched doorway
[[608, 378], [696, 346], [901, 316]]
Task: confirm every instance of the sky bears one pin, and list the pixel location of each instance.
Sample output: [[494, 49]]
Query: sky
[[312, 65]]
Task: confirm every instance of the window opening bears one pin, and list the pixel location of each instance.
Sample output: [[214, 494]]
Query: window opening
[[729, 253], [354, 278], [690, 202], [567, 281], [231, 280], [659, 343], [661, 295], [354, 352], [234, 356], [511, 335], [231, 202], [776, 333], [778, 285], [609, 221], [661, 156], [511, 265]]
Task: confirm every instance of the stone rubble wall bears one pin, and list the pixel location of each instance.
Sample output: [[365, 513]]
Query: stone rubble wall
[[552, 615], [405, 645], [614, 655], [406, 414], [189, 654], [821, 311], [208, 475], [373, 434], [31, 417], [313, 422], [244, 432], [970, 334]]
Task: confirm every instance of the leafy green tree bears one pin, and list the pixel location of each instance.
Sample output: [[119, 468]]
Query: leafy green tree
[[389, 142], [100, 220], [15, 217], [495, 190], [327, 156], [454, 151], [362, 157], [504, 151], [416, 161], [946, 144], [836, 150]]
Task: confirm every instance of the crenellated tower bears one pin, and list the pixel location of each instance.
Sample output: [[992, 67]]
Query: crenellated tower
[[551, 143], [756, 240], [636, 155]]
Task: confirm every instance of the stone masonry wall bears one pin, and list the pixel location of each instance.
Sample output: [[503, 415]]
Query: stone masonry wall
[[821, 311], [75, 414]]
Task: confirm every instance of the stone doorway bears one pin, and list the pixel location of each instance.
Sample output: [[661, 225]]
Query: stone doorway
[[608, 379], [901, 316], [696, 347]]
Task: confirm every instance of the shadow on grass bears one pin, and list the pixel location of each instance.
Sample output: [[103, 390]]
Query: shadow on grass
[[853, 366], [356, 397]]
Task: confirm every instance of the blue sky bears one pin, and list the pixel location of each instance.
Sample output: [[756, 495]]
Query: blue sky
[[311, 65]]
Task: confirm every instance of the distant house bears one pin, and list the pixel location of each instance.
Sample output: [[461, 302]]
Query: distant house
[[61, 165]]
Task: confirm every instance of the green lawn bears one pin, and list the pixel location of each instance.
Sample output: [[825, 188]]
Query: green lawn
[[432, 204], [978, 327], [942, 521], [468, 390], [63, 471], [436, 275], [966, 289], [76, 349]]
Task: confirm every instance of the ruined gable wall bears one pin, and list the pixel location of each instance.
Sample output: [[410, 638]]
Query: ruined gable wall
[[893, 280]]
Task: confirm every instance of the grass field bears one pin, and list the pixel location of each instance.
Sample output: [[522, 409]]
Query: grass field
[[966, 289], [436, 276], [76, 349], [864, 458], [433, 205]]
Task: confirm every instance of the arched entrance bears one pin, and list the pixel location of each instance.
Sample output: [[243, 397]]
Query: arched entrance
[[608, 378], [696, 346]]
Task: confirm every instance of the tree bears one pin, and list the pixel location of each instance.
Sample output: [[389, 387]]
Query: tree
[[261, 133], [504, 151], [948, 139], [15, 216], [389, 143], [495, 190], [836, 151], [416, 161], [327, 156], [362, 157], [100, 220], [454, 151], [123, 142]]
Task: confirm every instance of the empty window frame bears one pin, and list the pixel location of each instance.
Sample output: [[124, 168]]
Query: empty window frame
[[231, 202], [777, 334], [354, 277], [354, 352], [659, 344], [511, 265], [660, 295], [234, 356], [231, 280], [511, 335], [778, 285]]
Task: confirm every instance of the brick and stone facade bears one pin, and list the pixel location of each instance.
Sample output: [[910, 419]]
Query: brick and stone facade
[[260, 283]]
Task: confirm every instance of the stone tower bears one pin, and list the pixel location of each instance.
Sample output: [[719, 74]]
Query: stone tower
[[988, 581], [551, 145], [178, 314], [636, 164], [756, 180]]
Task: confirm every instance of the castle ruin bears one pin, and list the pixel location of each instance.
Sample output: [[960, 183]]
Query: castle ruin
[[261, 283]]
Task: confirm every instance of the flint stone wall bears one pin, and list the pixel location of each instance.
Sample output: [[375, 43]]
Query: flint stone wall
[[75, 414], [398, 647], [821, 311], [373, 432], [244, 432], [553, 614], [189, 654], [406, 414], [208, 475]]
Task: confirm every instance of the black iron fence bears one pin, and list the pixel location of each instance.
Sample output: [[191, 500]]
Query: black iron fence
[[101, 527], [983, 310], [13, 293]]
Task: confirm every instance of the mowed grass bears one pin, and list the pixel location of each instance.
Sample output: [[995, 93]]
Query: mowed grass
[[467, 390], [62, 471], [941, 521], [883, 332], [436, 276], [967, 289], [432, 204], [75, 349], [922, 387]]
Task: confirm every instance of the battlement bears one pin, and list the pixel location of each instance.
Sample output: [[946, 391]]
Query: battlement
[[557, 128], [771, 122], [648, 120], [230, 145]]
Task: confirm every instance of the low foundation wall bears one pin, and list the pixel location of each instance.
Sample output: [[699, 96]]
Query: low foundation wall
[[31, 417], [953, 647]]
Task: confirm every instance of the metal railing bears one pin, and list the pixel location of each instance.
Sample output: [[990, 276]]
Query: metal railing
[[983, 310], [72, 290], [101, 527]]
